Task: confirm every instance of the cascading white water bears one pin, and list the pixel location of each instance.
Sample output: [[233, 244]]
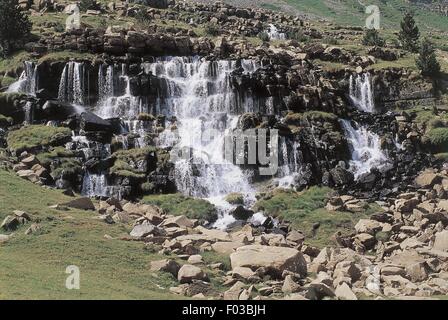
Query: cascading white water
[[275, 34], [28, 80], [139, 129], [365, 149], [95, 185], [105, 82], [72, 85], [361, 92], [125, 106], [200, 96], [290, 162], [29, 112]]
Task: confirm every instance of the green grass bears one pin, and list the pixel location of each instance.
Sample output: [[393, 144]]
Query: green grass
[[178, 204], [307, 208], [65, 55], [34, 136], [33, 267], [439, 139], [11, 63], [351, 12], [124, 158]]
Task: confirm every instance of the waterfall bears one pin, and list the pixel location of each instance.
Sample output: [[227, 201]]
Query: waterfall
[[125, 106], [365, 149], [139, 129], [200, 95], [29, 112], [361, 92], [28, 80], [105, 82], [95, 185], [290, 162], [275, 34], [72, 85]]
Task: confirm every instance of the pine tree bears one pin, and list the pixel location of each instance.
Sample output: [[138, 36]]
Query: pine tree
[[427, 61], [409, 33], [372, 38], [14, 25]]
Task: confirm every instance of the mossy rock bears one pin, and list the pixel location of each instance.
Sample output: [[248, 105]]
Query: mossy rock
[[146, 117], [5, 121], [438, 138], [37, 137], [235, 198], [9, 103], [178, 204], [134, 163]]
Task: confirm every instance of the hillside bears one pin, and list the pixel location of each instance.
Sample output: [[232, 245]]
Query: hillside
[[352, 12], [173, 149]]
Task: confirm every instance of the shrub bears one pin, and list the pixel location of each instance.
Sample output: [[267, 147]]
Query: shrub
[[372, 38], [409, 33], [439, 139], [263, 36], [178, 204], [427, 61], [85, 5], [298, 35], [212, 29], [14, 26]]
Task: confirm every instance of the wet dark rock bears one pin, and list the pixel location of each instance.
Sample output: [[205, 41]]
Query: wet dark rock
[[241, 213]]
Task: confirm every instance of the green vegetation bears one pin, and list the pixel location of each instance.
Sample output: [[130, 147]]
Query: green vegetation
[[373, 38], [439, 139], [5, 121], [305, 209], [178, 204], [14, 26], [10, 63], [66, 55], [63, 163], [36, 136], [235, 198], [427, 60], [215, 257], [263, 36], [409, 33], [352, 12], [33, 266], [212, 29], [126, 162]]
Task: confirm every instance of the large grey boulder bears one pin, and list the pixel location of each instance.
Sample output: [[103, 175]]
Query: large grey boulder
[[274, 260]]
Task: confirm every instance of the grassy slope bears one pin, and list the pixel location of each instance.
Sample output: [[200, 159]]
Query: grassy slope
[[307, 208], [351, 12], [33, 267]]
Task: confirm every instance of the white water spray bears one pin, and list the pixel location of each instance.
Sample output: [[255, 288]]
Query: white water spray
[[361, 92]]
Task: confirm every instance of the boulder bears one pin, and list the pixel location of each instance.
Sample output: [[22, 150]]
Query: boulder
[[427, 179], [195, 259], [83, 203], [368, 226], [187, 273], [178, 221], [441, 241], [274, 259], [343, 292], [10, 223], [166, 265], [234, 292], [144, 229], [289, 285]]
